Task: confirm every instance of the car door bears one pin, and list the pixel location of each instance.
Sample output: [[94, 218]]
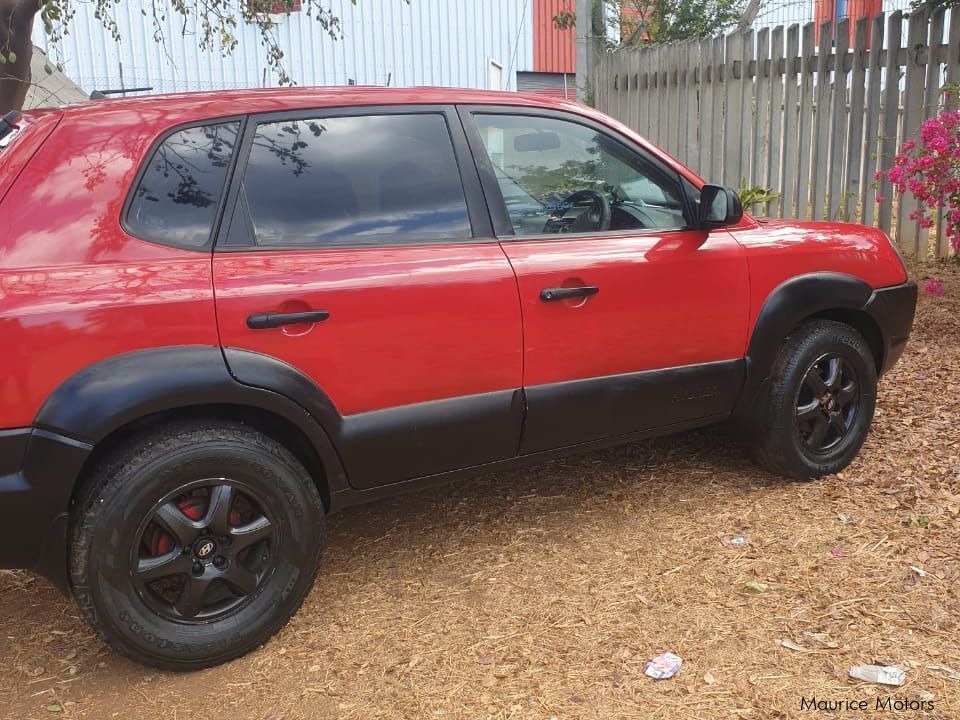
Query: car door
[[357, 254], [633, 317]]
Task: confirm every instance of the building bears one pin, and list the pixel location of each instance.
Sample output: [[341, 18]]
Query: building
[[501, 44], [48, 85]]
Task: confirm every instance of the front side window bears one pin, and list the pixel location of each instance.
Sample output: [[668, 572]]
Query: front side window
[[354, 180], [558, 176], [176, 200]]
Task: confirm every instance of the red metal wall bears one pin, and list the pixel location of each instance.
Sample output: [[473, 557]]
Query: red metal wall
[[826, 10], [554, 50]]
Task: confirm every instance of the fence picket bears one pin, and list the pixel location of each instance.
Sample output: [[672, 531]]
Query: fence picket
[[838, 121], [871, 148], [931, 105], [891, 112], [953, 54], [692, 116], [732, 94], [745, 81], [808, 65], [790, 154], [821, 112], [908, 231], [855, 131], [774, 117], [759, 171], [717, 127]]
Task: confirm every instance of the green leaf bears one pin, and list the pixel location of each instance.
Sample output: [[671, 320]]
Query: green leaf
[[755, 586], [54, 709], [12, 56]]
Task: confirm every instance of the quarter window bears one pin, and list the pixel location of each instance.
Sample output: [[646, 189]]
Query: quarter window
[[355, 180], [177, 198], [558, 176]]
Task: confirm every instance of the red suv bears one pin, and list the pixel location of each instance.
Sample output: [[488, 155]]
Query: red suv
[[228, 315]]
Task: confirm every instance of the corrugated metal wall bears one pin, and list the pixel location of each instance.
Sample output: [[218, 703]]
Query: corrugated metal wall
[[425, 42], [554, 50]]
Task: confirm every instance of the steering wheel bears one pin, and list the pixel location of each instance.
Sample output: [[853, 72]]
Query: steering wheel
[[597, 218]]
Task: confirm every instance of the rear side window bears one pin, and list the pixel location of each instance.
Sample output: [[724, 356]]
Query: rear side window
[[356, 180], [176, 200]]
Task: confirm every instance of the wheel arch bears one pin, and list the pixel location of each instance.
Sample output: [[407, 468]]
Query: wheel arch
[[270, 423], [104, 403], [821, 295]]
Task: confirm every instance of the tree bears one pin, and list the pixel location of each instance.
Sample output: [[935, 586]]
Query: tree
[[218, 21], [643, 21]]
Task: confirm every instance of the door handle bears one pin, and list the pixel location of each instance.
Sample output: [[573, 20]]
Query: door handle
[[264, 321], [565, 293]]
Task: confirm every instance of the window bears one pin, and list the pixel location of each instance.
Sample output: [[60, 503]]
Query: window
[[558, 176], [177, 198], [354, 180]]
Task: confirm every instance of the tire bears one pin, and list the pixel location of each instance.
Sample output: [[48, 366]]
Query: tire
[[231, 514], [801, 400]]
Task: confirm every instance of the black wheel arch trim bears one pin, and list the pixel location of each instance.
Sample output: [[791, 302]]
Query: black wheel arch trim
[[102, 398], [812, 294]]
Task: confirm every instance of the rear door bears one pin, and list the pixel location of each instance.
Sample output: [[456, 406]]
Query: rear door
[[358, 253], [634, 318]]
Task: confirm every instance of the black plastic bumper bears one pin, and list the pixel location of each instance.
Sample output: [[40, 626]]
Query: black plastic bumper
[[893, 309], [38, 470]]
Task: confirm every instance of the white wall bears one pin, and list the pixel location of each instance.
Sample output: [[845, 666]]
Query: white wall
[[425, 42]]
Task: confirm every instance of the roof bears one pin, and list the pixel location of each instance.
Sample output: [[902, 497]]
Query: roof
[[50, 87], [223, 103]]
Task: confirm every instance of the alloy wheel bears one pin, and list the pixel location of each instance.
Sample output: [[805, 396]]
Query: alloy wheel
[[204, 551]]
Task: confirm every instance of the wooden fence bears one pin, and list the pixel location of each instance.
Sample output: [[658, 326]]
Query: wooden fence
[[796, 109]]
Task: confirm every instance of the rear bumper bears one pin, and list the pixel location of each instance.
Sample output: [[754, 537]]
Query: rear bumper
[[893, 309], [38, 471]]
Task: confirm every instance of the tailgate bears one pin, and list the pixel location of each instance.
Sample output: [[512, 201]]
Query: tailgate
[[18, 145]]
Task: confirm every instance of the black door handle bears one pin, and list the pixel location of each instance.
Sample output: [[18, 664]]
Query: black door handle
[[264, 321], [564, 293]]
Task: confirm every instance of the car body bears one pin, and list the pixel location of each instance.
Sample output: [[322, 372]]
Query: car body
[[434, 342]]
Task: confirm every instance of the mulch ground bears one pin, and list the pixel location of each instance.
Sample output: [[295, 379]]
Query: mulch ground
[[541, 593]]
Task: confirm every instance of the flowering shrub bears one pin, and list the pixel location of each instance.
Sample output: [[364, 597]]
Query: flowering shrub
[[932, 286], [929, 168]]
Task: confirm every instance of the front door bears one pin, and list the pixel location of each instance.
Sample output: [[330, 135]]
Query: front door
[[633, 319], [355, 253]]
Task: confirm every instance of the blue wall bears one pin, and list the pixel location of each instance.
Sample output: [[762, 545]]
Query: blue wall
[[425, 42]]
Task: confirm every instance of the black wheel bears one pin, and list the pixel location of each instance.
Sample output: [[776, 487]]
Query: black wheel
[[194, 544], [820, 402]]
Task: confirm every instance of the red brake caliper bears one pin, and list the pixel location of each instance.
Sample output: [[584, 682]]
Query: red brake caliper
[[161, 542], [193, 507]]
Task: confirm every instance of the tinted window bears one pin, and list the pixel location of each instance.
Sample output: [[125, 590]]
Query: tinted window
[[176, 200], [552, 171], [355, 180]]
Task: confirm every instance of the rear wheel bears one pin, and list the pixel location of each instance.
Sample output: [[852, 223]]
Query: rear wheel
[[194, 544], [820, 402]]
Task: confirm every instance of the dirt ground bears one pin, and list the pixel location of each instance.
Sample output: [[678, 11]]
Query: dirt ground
[[541, 593]]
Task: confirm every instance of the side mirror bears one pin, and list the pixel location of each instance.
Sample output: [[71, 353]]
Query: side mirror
[[719, 206]]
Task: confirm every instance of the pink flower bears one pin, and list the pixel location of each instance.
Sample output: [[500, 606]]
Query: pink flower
[[896, 175], [932, 286], [880, 199]]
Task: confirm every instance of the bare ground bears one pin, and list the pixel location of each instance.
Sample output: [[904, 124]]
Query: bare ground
[[541, 593]]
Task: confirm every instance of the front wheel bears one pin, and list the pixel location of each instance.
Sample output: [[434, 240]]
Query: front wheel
[[820, 402], [194, 544]]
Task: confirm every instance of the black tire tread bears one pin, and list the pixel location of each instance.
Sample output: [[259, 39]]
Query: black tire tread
[[772, 435], [110, 474]]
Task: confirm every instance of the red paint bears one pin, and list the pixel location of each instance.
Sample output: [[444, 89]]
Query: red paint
[[554, 50], [780, 249], [407, 324], [667, 300]]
